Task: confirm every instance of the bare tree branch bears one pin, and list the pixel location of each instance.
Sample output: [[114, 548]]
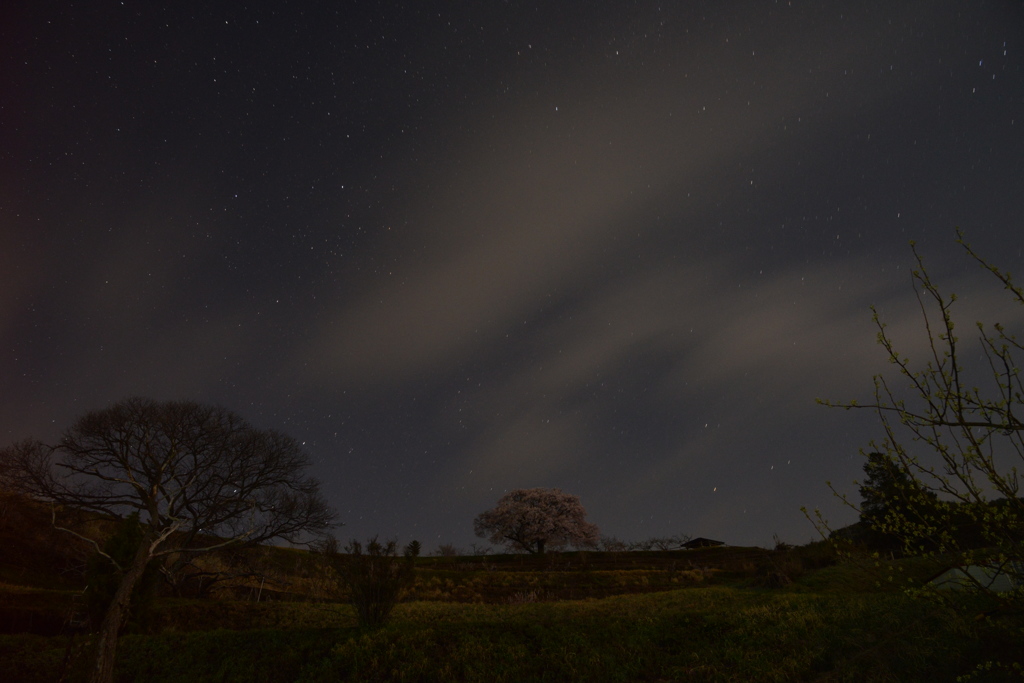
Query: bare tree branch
[[191, 471]]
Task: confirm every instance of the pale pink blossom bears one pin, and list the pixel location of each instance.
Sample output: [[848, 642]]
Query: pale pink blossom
[[537, 519]]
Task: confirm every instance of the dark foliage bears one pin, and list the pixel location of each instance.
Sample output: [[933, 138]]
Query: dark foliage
[[104, 572], [944, 482], [375, 577], [888, 496]]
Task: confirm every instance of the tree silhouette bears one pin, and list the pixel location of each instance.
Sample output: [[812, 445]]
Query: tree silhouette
[[199, 477]]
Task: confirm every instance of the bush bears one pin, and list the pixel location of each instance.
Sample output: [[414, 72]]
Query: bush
[[447, 550], [376, 578]]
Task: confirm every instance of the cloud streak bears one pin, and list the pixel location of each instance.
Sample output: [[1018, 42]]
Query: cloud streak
[[548, 200]]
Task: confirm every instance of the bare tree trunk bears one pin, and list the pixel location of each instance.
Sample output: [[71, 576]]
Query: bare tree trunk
[[117, 612]]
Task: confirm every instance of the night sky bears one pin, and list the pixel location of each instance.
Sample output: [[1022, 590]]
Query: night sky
[[617, 248]]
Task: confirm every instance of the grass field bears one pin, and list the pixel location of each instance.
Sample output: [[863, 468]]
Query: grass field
[[715, 633]]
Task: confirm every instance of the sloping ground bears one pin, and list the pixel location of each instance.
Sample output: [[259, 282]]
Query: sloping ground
[[287, 574], [38, 610], [41, 573], [41, 568], [703, 634], [725, 558], [284, 574], [32, 552]]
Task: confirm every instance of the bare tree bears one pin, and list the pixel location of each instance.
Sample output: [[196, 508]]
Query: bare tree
[[536, 519], [669, 542], [612, 544], [200, 477], [954, 440]]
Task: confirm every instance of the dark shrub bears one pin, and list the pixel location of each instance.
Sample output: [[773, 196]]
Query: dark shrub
[[375, 577]]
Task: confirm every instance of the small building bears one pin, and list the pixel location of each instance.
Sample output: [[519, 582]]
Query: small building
[[993, 577], [701, 542]]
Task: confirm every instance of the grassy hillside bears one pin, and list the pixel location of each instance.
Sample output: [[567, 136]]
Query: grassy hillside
[[32, 552], [716, 614], [697, 634]]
